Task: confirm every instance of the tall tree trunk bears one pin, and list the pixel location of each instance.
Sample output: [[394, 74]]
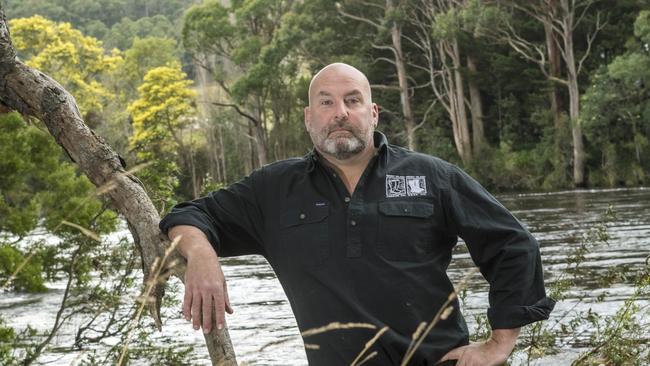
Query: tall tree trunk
[[259, 144], [214, 164], [222, 151], [258, 134], [461, 113], [249, 162], [33, 93], [196, 184], [574, 114], [555, 64], [400, 66], [476, 105]]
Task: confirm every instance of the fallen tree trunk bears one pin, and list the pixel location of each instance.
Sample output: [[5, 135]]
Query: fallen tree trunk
[[32, 93]]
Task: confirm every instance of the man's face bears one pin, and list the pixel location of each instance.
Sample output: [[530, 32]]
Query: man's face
[[341, 117]]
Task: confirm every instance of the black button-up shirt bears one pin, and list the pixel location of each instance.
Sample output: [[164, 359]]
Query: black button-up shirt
[[378, 256]]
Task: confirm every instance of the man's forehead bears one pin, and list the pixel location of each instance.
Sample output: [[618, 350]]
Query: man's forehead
[[325, 93], [333, 77]]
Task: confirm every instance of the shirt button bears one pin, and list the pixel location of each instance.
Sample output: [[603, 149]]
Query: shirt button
[[353, 223], [346, 199], [406, 210], [302, 216], [334, 175]]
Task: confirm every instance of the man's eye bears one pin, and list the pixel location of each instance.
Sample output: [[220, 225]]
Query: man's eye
[[326, 102], [352, 100]]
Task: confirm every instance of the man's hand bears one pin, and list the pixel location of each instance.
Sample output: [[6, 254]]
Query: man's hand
[[206, 293], [493, 352]]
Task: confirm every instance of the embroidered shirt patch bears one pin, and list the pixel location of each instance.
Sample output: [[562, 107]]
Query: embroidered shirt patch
[[416, 185], [401, 186], [395, 186]]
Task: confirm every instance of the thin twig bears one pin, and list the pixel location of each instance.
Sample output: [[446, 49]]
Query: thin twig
[[334, 326], [367, 347], [156, 269]]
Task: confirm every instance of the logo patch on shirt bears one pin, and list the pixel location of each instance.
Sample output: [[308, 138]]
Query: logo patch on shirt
[[409, 185], [416, 185], [395, 186]]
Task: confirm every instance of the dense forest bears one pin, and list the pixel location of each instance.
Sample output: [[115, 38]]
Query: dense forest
[[524, 95]]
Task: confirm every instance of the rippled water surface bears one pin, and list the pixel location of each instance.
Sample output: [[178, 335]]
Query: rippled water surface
[[263, 329]]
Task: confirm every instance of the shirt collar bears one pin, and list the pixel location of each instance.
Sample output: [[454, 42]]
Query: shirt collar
[[379, 139]]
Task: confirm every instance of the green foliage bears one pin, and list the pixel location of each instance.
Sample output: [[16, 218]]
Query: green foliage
[[146, 54], [7, 342], [29, 277], [542, 166], [122, 35], [33, 178], [617, 115], [73, 59], [164, 109]]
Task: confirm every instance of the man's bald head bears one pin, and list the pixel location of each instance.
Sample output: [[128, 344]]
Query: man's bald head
[[339, 72]]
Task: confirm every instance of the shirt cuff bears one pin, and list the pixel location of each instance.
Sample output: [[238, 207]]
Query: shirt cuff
[[170, 221], [514, 316]]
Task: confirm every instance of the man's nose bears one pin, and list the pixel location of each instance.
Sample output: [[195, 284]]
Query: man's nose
[[341, 111]]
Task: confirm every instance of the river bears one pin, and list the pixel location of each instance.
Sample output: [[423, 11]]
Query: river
[[263, 329]]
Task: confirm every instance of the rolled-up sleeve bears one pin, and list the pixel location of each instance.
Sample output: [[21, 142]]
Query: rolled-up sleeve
[[231, 218], [506, 253]]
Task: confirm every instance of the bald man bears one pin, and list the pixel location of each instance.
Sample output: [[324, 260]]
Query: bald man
[[360, 231]]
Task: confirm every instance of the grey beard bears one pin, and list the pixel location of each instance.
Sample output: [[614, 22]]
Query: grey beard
[[344, 148]]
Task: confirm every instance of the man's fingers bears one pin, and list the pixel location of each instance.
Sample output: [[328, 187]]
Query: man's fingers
[[196, 310], [454, 354], [207, 313], [187, 305], [229, 309], [219, 308]]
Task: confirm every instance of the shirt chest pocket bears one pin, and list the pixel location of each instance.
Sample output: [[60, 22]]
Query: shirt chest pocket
[[305, 235], [405, 230]]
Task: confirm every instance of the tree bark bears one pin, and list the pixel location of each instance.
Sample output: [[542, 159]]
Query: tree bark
[[476, 105], [555, 64], [32, 93], [461, 113], [574, 106]]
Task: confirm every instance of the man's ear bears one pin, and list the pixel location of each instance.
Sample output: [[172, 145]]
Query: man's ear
[[375, 114], [307, 117]]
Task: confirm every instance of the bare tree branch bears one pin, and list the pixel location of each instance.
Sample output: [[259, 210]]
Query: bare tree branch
[[590, 41], [339, 7]]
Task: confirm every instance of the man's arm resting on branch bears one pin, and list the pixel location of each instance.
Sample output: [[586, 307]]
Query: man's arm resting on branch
[[206, 293], [493, 352]]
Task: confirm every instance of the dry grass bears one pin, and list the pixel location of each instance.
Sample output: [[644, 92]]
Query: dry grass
[[156, 278], [443, 313], [417, 338], [336, 326], [358, 361]]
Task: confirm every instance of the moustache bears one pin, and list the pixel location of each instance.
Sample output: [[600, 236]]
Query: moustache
[[340, 126]]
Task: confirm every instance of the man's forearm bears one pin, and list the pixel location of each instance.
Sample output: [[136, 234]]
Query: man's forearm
[[505, 338], [193, 241]]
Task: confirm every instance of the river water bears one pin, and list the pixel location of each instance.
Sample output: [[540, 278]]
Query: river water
[[263, 329]]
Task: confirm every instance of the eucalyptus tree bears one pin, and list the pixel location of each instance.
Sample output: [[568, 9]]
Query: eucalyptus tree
[[235, 44], [444, 32], [616, 113], [560, 19], [388, 16]]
